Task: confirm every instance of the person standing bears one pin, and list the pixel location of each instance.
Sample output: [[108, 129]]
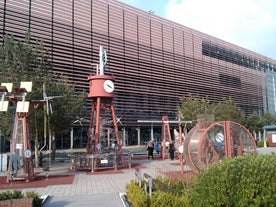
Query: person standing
[[171, 150], [150, 149]]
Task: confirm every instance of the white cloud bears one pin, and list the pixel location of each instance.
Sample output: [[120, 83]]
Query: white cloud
[[248, 23]]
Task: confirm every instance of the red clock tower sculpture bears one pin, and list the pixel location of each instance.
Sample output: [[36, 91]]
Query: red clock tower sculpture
[[101, 88]]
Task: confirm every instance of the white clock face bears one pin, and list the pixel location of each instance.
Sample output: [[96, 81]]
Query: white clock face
[[27, 153], [108, 86]]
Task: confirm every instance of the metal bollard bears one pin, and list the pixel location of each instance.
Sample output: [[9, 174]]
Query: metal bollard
[[129, 160], [73, 164], [92, 163], [138, 174], [115, 161], [148, 180]]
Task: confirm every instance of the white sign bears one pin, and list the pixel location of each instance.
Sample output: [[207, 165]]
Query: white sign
[[105, 161], [19, 146], [4, 105], [22, 106], [273, 138], [180, 149]]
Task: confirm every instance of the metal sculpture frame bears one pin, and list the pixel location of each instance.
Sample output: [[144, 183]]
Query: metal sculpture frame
[[20, 162], [205, 145], [20, 151], [101, 88]]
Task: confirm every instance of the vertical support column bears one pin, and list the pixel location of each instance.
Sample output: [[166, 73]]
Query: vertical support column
[[14, 134], [30, 169], [25, 147], [180, 144], [24, 122], [116, 131], [139, 135], [72, 138], [163, 140], [91, 124], [166, 135], [227, 139], [115, 126], [124, 136], [97, 130], [151, 131]]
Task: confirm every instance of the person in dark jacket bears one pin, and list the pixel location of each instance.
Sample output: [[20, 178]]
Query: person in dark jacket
[[171, 150], [150, 149], [14, 164]]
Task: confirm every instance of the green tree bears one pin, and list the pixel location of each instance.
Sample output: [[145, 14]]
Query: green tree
[[227, 110], [268, 119], [23, 61], [64, 109], [253, 122], [20, 62], [191, 106]]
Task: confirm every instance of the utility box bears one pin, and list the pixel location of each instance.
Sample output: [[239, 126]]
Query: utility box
[[3, 162]]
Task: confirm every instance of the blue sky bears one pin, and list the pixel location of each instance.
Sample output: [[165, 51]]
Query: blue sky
[[248, 23]]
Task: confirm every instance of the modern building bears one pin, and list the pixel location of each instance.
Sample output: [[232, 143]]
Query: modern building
[[154, 61]]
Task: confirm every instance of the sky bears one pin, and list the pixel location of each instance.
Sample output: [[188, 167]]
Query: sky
[[247, 23]]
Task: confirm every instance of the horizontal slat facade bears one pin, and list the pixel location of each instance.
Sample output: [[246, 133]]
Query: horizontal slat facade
[[154, 61]]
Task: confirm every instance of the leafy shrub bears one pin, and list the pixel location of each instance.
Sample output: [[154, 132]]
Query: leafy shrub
[[136, 196], [165, 192], [16, 194], [248, 180], [166, 184], [37, 200], [7, 195], [167, 199], [168, 192]]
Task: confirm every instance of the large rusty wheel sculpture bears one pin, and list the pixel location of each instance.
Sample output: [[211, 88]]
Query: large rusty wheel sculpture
[[204, 146]]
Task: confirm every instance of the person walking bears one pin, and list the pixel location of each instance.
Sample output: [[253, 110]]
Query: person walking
[[150, 149]]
